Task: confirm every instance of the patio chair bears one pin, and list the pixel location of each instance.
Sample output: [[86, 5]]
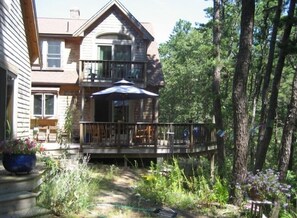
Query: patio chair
[[144, 135], [52, 134], [98, 132], [42, 133]]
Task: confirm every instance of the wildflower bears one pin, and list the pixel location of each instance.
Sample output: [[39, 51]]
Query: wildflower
[[20, 146]]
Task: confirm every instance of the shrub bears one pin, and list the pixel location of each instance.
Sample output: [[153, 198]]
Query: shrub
[[67, 188], [167, 184]]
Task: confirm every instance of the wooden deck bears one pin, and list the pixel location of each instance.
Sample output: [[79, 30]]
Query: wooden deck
[[146, 140]]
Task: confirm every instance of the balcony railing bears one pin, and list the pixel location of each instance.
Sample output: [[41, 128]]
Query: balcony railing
[[111, 134], [96, 71]]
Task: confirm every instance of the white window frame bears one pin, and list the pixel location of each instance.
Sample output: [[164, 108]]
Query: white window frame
[[45, 44], [43, 113]]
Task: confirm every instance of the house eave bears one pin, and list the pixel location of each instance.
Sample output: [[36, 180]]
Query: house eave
[[31, 29], [109, 6]]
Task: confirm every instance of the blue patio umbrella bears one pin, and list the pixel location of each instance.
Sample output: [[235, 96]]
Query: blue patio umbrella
[[123, 90]]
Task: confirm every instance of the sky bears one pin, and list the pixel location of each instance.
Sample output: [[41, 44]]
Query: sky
[[163, 14]]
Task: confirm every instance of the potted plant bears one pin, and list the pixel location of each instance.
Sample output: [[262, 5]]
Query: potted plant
[[19, 155], [265, 185]]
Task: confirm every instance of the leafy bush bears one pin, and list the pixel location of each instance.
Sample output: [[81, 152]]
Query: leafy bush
[[289, 209], [68, 186], [167, 184]]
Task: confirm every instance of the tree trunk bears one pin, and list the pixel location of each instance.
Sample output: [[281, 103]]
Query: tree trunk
[[264, 142], [241, 133], [291, 162], [256, 83], [285, 152], [267, 76], [217, 107]]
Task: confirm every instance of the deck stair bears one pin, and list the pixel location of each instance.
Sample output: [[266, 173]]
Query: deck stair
[[18, 194]]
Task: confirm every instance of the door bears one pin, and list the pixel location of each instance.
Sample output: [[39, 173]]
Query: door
[[121, 111], [122, 53], [102, 111], [105, 55]]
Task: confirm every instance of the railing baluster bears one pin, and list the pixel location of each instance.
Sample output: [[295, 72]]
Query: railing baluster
[[155, 135], [95, 71]]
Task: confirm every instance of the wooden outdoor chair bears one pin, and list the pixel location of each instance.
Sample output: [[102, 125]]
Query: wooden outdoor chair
[[98, 132], [95, 133], [144, 135], [42, 133], [52, 134]]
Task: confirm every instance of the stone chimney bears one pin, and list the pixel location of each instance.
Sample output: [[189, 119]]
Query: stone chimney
[[74, 13]]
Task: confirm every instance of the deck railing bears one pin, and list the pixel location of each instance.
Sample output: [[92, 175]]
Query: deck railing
[[189, 135], [95, 71]]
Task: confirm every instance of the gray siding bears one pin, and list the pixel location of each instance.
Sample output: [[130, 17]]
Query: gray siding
[[14, 53], [114, 23]]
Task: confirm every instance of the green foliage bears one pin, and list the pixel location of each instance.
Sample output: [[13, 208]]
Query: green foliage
[[68, 187], [68, 123], [167, 184], [8, 131], [220, 189], [290, 209], [185, 72], [287, 214], [266, 185]]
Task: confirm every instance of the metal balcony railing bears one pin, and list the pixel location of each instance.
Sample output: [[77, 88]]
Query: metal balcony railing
[[98, 71]]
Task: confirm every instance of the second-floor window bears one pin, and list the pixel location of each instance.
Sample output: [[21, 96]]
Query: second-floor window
[[52, 53], [44, 105]]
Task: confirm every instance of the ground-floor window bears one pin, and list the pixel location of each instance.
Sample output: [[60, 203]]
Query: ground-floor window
[[44, 104]]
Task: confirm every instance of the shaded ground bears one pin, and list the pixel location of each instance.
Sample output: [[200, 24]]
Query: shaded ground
[[118, 200]]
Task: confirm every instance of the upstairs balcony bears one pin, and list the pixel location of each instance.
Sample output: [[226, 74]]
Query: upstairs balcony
[[105, 73]]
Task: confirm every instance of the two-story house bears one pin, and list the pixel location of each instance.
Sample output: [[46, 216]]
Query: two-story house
[[81, 57], [19, 48]]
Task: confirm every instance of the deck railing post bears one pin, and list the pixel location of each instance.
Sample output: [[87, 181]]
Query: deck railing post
[[171, 141], [155, 136], [81, 136]]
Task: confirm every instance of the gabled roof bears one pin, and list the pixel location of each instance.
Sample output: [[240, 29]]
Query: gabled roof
[[112, 5]]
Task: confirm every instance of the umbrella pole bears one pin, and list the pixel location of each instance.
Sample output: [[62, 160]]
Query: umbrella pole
[[124, 112]]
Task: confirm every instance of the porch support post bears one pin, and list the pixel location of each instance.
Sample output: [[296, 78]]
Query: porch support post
[[192, 136], [83, 104], [82, 118], [141, 109], [81, 136], [145, 74], [155, 111]]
